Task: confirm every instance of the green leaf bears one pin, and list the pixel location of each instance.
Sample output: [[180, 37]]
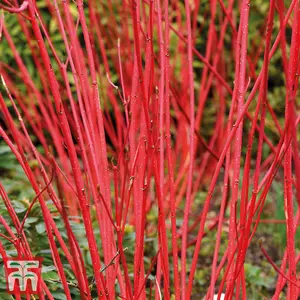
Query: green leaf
[[40, 228], [19, 206], [31, 220], [48, 269], [59, 296]]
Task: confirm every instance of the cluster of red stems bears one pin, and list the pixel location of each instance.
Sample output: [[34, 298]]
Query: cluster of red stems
[[148, 122]]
